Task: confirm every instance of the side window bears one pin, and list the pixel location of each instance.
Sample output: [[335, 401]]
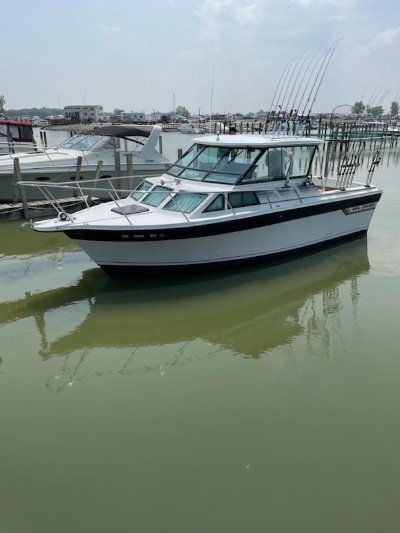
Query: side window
[[278, 162], [218, 204], [275, 164], [242, 199]]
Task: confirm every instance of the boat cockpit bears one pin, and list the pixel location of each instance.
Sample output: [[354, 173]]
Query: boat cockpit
[[236, 165], [229, 166]]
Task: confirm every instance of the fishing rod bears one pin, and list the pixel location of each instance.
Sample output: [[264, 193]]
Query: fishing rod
[[373, 103], [291, 107], [377, 88], [296, 106], [277, 106], [282, 82], [288, 85], [383, 97], [277, 87], [315, 63], [333, 48], [320, 74]]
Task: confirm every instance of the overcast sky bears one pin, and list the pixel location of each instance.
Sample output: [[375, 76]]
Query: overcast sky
[[138, 54]]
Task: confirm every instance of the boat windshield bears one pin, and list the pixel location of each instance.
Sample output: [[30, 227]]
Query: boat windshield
[[224, 164], [84, 142], [218, 164]]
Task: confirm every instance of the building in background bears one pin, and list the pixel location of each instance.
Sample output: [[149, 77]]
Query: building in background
[[134, 117], [84, 113]]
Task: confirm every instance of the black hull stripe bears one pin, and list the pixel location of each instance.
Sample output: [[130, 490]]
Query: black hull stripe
[[218, 228], [272, 258]]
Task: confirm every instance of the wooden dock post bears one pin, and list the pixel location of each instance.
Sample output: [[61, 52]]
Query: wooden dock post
[[78, 168], [17, 177], [327, 154], [96, 179], [20, 190], [129, 164], [117, 162]]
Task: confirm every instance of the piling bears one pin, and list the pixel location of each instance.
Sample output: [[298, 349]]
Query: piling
[[129, 164], [96, 179], [21, 190]]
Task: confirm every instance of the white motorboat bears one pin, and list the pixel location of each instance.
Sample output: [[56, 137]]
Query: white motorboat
[[122, 150], [190, 128], [227, 200]]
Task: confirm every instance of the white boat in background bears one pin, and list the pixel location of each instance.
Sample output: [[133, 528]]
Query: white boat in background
[[15, 136], [229, 199], [190, 128], [122, 150]]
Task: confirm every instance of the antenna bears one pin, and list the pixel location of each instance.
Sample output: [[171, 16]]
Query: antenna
[[212, 94]]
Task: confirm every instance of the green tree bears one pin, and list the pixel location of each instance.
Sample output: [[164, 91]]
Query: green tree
[[2, 102], [358, 108], [394, 109], [376, 111], [180, 110]]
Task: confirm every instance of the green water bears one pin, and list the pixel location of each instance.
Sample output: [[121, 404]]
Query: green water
[[260, 399]]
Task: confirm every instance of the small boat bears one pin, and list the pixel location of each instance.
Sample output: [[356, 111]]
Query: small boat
[[122, 150], [15, 136], [190, 128], [229, 199]]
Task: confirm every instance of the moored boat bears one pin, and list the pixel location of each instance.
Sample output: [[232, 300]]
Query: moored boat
[[229, 199], [122, 149]]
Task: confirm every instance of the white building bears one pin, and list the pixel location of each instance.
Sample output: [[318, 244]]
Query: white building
[[84, 113], [134, 117]]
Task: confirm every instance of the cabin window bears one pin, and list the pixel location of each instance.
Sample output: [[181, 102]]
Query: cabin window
[[302, 158], [14, 132], [156, 196], [283, 163], [218, 204], [140, 190], [3, 129], [26, 133], [242, 199], [185, 202]]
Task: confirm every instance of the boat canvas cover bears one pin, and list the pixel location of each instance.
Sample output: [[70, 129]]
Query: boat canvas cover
[[16, 130], [120, 131]]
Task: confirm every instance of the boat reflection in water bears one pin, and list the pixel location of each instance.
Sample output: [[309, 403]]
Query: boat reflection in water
[[156, 323]]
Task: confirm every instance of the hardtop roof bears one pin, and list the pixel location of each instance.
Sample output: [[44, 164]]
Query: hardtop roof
[[257, 141]]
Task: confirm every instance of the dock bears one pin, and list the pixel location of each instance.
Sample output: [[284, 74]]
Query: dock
[[37, 208]]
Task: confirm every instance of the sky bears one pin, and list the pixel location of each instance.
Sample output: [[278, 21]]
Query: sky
[[222, 56]]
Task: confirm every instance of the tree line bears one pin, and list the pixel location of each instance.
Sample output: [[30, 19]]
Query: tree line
[[359, 108]]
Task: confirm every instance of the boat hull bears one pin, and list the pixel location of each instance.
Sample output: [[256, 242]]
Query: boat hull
[[215, 245]]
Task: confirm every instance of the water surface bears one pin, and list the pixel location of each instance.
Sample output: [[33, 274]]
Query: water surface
[[255, 399]]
